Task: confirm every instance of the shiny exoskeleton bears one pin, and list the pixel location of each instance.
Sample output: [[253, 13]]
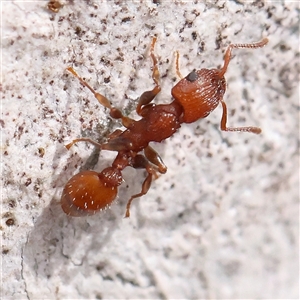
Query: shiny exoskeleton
[[194, 97]]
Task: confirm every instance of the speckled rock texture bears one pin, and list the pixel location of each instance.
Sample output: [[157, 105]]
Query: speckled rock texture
[[222, 223]]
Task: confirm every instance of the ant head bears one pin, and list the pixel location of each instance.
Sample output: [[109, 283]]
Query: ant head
[[86, 193], [199, 93]]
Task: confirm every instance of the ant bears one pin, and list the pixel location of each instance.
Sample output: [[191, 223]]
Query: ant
[[194, 97], [54, 6]]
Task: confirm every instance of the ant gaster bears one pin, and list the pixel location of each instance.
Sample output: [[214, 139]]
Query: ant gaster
[[194, 97]]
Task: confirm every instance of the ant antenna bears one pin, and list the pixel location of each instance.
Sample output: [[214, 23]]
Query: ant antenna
[[227, 55]]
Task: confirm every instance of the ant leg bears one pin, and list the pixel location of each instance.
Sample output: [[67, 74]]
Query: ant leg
[[68, 146], [148, 96], [140, 162], [114, 144], [155, 159], [114, 112], [255, 130], [145, 188], [227, 55], [177, 65], [115, 134]]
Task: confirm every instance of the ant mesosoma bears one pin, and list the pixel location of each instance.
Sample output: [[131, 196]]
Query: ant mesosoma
[[194, 97]]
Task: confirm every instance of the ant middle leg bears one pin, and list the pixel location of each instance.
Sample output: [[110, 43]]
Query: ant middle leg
[[111, 136], [114, 112], [155, 159], [68, 146], [148, 96]]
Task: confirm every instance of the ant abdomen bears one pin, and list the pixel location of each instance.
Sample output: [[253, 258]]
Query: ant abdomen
[[199, 93], [86, 193]]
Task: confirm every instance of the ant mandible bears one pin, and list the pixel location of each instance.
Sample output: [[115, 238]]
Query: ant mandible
[[194, 97]]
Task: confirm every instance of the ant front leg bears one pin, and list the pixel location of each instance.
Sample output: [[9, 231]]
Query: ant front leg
[[140, 162], [223, 70], [148, 96], [224, 127]]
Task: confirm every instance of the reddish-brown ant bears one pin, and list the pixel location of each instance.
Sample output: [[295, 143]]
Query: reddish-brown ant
[[54, 6], [195, 96]]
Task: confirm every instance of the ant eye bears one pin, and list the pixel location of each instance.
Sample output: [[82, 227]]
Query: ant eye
[[192, 76]]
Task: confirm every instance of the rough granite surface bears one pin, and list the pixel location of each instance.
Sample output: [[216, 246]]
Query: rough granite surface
[[222, 223]]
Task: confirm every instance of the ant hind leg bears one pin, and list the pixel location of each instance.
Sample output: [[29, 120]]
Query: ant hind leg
[[145, 188], [140, 162]]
